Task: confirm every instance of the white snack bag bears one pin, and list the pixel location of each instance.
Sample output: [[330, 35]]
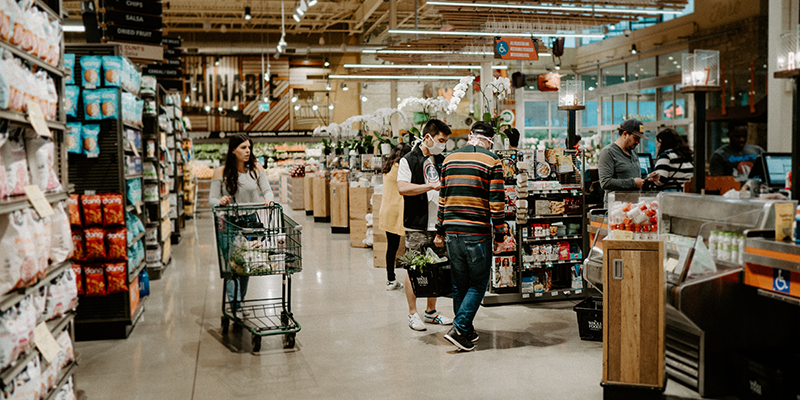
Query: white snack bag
[[68, 353], [8, 343], [40, 153], [17, 262], [15, 164], [60, 235], [40, 229], [3, 138]]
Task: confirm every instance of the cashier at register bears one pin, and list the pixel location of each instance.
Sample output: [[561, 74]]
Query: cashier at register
[[618, 165]]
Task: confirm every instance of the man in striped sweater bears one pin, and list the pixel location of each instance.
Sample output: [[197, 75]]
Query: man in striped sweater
[[471, 205]]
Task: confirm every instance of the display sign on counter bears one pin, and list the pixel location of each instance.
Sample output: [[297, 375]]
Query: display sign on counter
[[131, 20], [515, 49], [134, 35], [138, 6], [141, 51]]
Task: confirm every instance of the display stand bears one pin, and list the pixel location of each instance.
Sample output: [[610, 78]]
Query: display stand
[[174, 148], [359, 208], [795, 75], [158, 223], [699, 145], [308, 193], [340, 206], [322, 199], [572, 138], [113, 316]]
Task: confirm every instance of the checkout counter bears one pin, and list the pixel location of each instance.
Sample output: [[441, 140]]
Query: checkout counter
[[713, 310]]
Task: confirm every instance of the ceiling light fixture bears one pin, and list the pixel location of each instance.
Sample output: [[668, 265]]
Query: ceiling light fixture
[[219, 109], [344, 87], [296, 17], [397, 77], [216, 63], [436, 52], [312, 3], [330, 107], [633, 49], [327, 63], [247, 15], [364, 98], [315, 107], [593, 10], [328, 86], [207, 108], [413, 66], [74, 28], [297, 107], [235, 107], [494, 34], [294, 99]]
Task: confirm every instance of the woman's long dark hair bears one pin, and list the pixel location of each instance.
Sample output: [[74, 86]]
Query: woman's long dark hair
[[230, 174], [670, 140], [396, 154]]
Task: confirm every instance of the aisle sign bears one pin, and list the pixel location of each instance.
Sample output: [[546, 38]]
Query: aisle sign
[[134, 35], [133, 20], [515, 49], [141, 51], [138, 6]]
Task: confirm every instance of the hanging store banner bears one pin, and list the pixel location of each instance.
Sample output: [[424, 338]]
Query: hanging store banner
[[148, 7], [138, 21], [141, 51], [506, 48], [133, 35]]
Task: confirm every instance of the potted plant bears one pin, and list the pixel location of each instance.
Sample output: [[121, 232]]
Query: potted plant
[[327, 146], [387, 144]]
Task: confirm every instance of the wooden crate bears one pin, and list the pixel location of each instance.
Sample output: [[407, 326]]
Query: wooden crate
[[379, 253], [322, 200], [633, 316], [378, 235], [340, 217], [308, 193], [359, 208]]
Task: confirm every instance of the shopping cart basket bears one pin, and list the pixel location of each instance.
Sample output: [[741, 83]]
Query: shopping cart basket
[[258, 240]]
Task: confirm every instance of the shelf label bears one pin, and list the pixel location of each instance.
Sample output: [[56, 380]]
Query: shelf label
[[579, 291], [46, 342], [36, 116], [553, 294], [566, 293], [526, 295], [538, 294], [135, 150], [39, 202]]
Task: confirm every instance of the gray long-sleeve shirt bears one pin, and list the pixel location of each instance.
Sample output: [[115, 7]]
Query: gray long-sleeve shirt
[[617, 169], [250, 190]]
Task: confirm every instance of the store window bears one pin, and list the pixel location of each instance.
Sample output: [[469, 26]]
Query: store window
[[538, 134], [589, 115], [666, 100], [670, 63], [590, 82], [613, 75], [680, 103], [536, 113], [642, 69], [647, 105], [607, 120], [619, 108], [558, 117], [559, 138], [607, 137], [633, 108]]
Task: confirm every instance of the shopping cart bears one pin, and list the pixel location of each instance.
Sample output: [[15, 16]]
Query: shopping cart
[[258, 240]]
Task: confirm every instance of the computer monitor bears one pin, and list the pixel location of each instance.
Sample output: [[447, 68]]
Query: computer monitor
[[646, 164], [776, 165]]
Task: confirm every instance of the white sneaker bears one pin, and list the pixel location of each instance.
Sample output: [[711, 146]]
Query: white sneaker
[[393, 285], [436, 318], [415, 322]]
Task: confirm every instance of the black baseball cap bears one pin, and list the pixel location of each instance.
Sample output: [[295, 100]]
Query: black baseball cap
[[482, 128], [633, 126]]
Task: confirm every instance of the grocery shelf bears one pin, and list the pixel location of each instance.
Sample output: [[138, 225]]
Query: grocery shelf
[[13, 371], [554, 216], [133, 176], [551, 238], [132, 126], [133, 274], [21, 202], [22, 119], [556, 294], [572, 191], [546, 264], [31, 59], [64, 376], [50, 12], [136, 239]]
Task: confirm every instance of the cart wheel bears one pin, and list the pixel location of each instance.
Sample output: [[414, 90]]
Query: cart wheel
[[288, 341], [225, 326], [256, 343]]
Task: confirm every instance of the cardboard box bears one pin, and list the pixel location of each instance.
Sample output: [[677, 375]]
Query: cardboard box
[[340, 216]]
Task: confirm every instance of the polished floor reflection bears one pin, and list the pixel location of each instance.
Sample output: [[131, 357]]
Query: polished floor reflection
[[354, 343]]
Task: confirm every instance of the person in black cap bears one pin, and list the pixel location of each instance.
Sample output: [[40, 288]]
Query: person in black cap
[[513, 137], [618, 165]]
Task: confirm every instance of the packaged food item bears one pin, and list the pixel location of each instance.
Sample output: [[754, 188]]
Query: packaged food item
[[557, 207], [91, 105], [69, 65], [78, 245], [108, 103], [113, 210], [148, 85], [95, 243], [563, 251], [112, 70], [15, 162], [90, 65], [95, 280], [40, 229], [17, 251], [92, 206], [117, 244], [542, 207], [134, 190], [41, 157], [67, 347], [74, 210], [60, 236], [89, 138], [74, 143], [71, 95], [117, 274], [78, 271]]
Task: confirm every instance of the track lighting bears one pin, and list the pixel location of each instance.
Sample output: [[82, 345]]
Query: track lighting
[[312, 3], [296, 17], [294, 99], [327, 63], [330, 107], [297, 107], [328, 86], [633, 49], [315, 107], [344, 87], [247, 15]]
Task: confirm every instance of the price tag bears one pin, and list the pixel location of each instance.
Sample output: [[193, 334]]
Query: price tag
[[138, 207], [36, 116], [553, 294], [526, 295], [46, 342], [566, 293], [89, 192], [538, 294], [579, 291], [133, 147], [670, 264], [39, 202]]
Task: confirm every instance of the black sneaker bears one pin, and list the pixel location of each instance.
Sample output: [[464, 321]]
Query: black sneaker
[[473, 337], [459, 340]]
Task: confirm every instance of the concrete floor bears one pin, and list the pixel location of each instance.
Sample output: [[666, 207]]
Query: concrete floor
[[354, 343]]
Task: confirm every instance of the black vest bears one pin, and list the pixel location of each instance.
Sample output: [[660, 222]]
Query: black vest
[[415, 211]]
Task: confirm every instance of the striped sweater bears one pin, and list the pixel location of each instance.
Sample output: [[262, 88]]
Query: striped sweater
[[674, 171], [472, 196]]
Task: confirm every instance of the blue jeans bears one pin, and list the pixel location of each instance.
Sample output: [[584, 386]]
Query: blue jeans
[[230, 289], [470, 262]]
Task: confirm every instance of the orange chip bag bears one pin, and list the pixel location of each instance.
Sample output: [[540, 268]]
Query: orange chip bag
[[117, 244], [117, 277], [113, 211], [77, 242], [95, 281], [74, 210], [92, 209], [95, 243], [78, 270]]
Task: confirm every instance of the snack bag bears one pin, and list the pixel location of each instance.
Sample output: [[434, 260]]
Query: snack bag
[[112, 70], [78, 270], [91, 105], [563, 251], [69, 64], [113, 210], [74, 210], [90, 65], [92, 209], [71, 95], [117, 275], [61, 235], [17, 251], [148, 85], [117, 244], [40, 229], [41, 157], [66, 346], [95, 243], [12, 155], [95, 280], [89, 138], [74, 143], [108, 103], [77, 243]]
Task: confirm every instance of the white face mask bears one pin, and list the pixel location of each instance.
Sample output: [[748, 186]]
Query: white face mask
[[437, 147], [479, 140]]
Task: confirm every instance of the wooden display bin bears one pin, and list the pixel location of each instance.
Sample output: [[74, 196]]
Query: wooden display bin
[[308, 193], [633, 319], [340, 218], [379, 236], [322, 199], [359, 208], [295, 192]]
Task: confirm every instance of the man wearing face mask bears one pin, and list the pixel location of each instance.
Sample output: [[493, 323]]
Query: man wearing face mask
[[418, 182], [471, 205]]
